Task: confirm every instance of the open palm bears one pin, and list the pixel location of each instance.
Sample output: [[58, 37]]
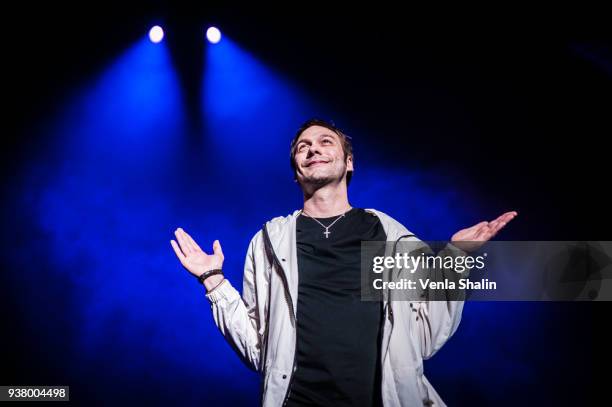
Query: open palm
[[192, 257], [475, 236]]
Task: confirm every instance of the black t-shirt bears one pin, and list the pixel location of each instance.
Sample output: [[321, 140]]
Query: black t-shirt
[[338, 335]]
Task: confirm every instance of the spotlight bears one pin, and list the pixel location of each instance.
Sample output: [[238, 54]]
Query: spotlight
[[156, 34], [213, 35]]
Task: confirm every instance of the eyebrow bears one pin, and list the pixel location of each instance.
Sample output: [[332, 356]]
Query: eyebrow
[[319, 137]]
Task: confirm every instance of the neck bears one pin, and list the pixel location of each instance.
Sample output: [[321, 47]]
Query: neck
[[327, 201]]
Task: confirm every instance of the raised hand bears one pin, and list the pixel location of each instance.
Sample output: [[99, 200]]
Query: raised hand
[[474, 237], [193, 258]]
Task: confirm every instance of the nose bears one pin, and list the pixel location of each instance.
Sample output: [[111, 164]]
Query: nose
[[312, 149]]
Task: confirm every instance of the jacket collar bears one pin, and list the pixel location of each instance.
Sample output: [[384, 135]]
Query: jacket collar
[[283, 235]]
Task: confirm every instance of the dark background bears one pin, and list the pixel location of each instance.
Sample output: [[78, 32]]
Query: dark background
[[521, 106]]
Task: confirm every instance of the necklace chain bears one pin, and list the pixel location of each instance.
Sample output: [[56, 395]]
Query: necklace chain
[[327, 232]]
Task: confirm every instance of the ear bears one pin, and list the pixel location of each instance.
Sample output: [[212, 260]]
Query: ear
[[349, 163]]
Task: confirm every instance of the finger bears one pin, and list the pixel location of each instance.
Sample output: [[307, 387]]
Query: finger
[[511, 216], [478, 226], [188, 241], [502, 220], [474, 230], [177, 251], [484, 234], [478, 236], [506, 217], [502, 223], [217, 249], [471, 232], [493, 233], [485, 226], [495, 226], [489, 234], [498, 226], [494, 230], [180, 236], [192, 242]]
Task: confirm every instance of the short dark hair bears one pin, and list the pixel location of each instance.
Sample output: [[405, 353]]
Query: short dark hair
[[347, 147]]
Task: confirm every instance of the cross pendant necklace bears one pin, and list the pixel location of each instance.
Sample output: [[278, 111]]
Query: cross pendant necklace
[[327, 232]]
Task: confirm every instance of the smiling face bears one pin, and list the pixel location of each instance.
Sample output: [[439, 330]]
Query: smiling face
[[320, 158]]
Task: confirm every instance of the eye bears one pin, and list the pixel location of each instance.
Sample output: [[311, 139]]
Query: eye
[[301, 147], [327, 141]]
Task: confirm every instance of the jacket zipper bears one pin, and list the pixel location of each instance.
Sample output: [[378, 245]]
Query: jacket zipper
[[265, 353], [289, 301]]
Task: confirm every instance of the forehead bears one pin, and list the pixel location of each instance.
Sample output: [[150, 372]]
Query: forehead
[[316, 131]]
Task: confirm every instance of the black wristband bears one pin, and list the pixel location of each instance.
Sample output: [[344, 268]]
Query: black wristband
[[207, 274]]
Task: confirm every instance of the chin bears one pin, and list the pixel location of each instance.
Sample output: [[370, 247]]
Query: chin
[[319, 180]]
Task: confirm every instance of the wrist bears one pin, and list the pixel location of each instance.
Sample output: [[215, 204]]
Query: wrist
[[213, 281]]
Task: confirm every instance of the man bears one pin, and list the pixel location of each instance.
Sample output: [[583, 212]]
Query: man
[[300, 320]]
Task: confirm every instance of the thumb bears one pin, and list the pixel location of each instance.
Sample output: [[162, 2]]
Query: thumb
[[217, 248], [484, 222]]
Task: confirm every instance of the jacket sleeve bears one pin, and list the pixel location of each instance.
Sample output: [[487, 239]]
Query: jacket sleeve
[[437, 320], [236, 316]]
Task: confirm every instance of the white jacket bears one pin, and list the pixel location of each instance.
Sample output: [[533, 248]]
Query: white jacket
[[261, 324]]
